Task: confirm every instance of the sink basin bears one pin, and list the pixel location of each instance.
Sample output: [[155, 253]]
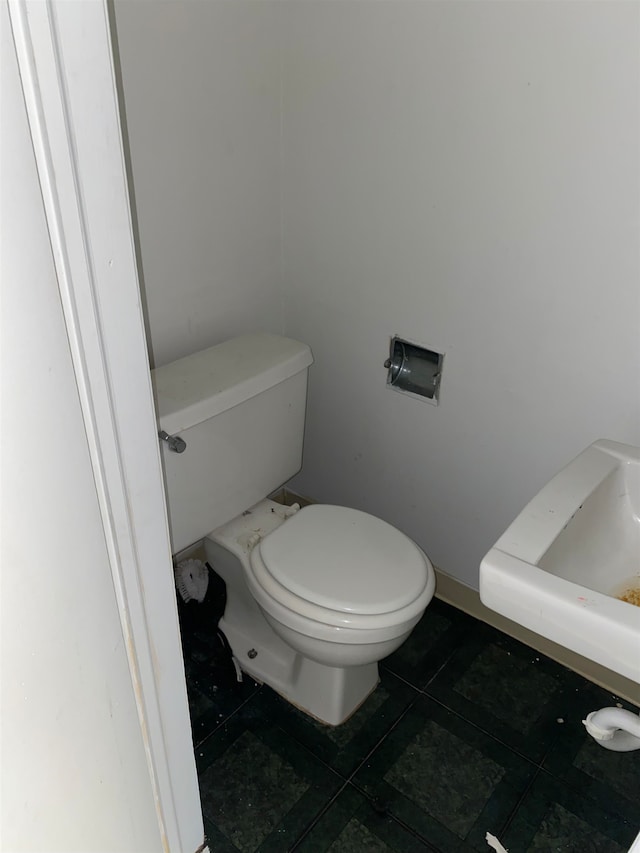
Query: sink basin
[[563, 566]]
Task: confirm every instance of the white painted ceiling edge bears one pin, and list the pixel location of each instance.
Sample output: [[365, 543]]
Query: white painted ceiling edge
[[65, 57]]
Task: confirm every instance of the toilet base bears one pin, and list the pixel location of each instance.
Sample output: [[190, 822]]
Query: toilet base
[[329, 694], [327, 680]]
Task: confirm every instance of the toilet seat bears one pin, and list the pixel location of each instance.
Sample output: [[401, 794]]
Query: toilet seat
[[342, 568]]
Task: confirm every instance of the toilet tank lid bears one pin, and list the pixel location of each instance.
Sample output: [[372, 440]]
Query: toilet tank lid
[[200, 386]]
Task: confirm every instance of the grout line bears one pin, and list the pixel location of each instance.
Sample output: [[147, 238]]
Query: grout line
[[317, 818], [349, 777], [521, 799], [395, 818], [438, 671], [401, 678], [226, 719], [455, 648], [415, 834], [389, 816], [392, 728], [481, 729], [315, 757], [347, 780]]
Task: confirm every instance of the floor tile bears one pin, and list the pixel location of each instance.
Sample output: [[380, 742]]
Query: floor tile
[[508, 690], [353, 825], [210, 704], [262, 793], [553, 817], [259, 788], [430, 644], [344, 747], [444, 778]]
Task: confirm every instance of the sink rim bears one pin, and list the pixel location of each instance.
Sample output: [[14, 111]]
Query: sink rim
[[563, 611], [591, 623], [543, 519]]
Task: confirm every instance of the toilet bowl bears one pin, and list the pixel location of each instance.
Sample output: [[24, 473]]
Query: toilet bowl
[[316, 597]]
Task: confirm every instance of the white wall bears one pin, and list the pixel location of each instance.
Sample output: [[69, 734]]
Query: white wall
[[74, 774], [202, 94], [465, 175]]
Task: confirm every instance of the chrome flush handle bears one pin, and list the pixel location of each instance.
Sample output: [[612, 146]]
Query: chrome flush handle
[[174, 442]]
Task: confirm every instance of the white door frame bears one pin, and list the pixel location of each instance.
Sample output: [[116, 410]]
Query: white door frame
[[65, 57]]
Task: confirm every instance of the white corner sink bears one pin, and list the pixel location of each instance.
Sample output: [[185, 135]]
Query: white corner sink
[[561, 567]]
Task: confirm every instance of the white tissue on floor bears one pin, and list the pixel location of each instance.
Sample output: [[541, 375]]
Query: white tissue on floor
[[493, 842], [192, 579]]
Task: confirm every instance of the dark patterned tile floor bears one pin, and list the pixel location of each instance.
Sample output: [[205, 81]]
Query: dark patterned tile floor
[[468, 732]]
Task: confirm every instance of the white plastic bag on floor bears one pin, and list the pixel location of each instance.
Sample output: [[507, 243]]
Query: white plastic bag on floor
[[192, 580]]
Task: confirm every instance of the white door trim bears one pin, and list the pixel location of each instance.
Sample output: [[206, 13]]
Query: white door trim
[[66, 65]]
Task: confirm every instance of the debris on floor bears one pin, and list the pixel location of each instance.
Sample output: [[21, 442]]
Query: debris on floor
[[493, 842]]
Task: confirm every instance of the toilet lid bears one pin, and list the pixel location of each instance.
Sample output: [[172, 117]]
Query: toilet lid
[[344, 560]]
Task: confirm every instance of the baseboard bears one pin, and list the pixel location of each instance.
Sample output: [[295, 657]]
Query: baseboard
[[468, 600]]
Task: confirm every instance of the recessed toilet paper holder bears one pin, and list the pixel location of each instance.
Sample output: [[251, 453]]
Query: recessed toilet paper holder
[[414, 369]]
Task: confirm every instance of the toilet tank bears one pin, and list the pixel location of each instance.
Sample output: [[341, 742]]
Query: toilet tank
[[240, 408]]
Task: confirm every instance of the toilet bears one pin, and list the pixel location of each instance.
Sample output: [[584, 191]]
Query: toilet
[[316, 596]]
